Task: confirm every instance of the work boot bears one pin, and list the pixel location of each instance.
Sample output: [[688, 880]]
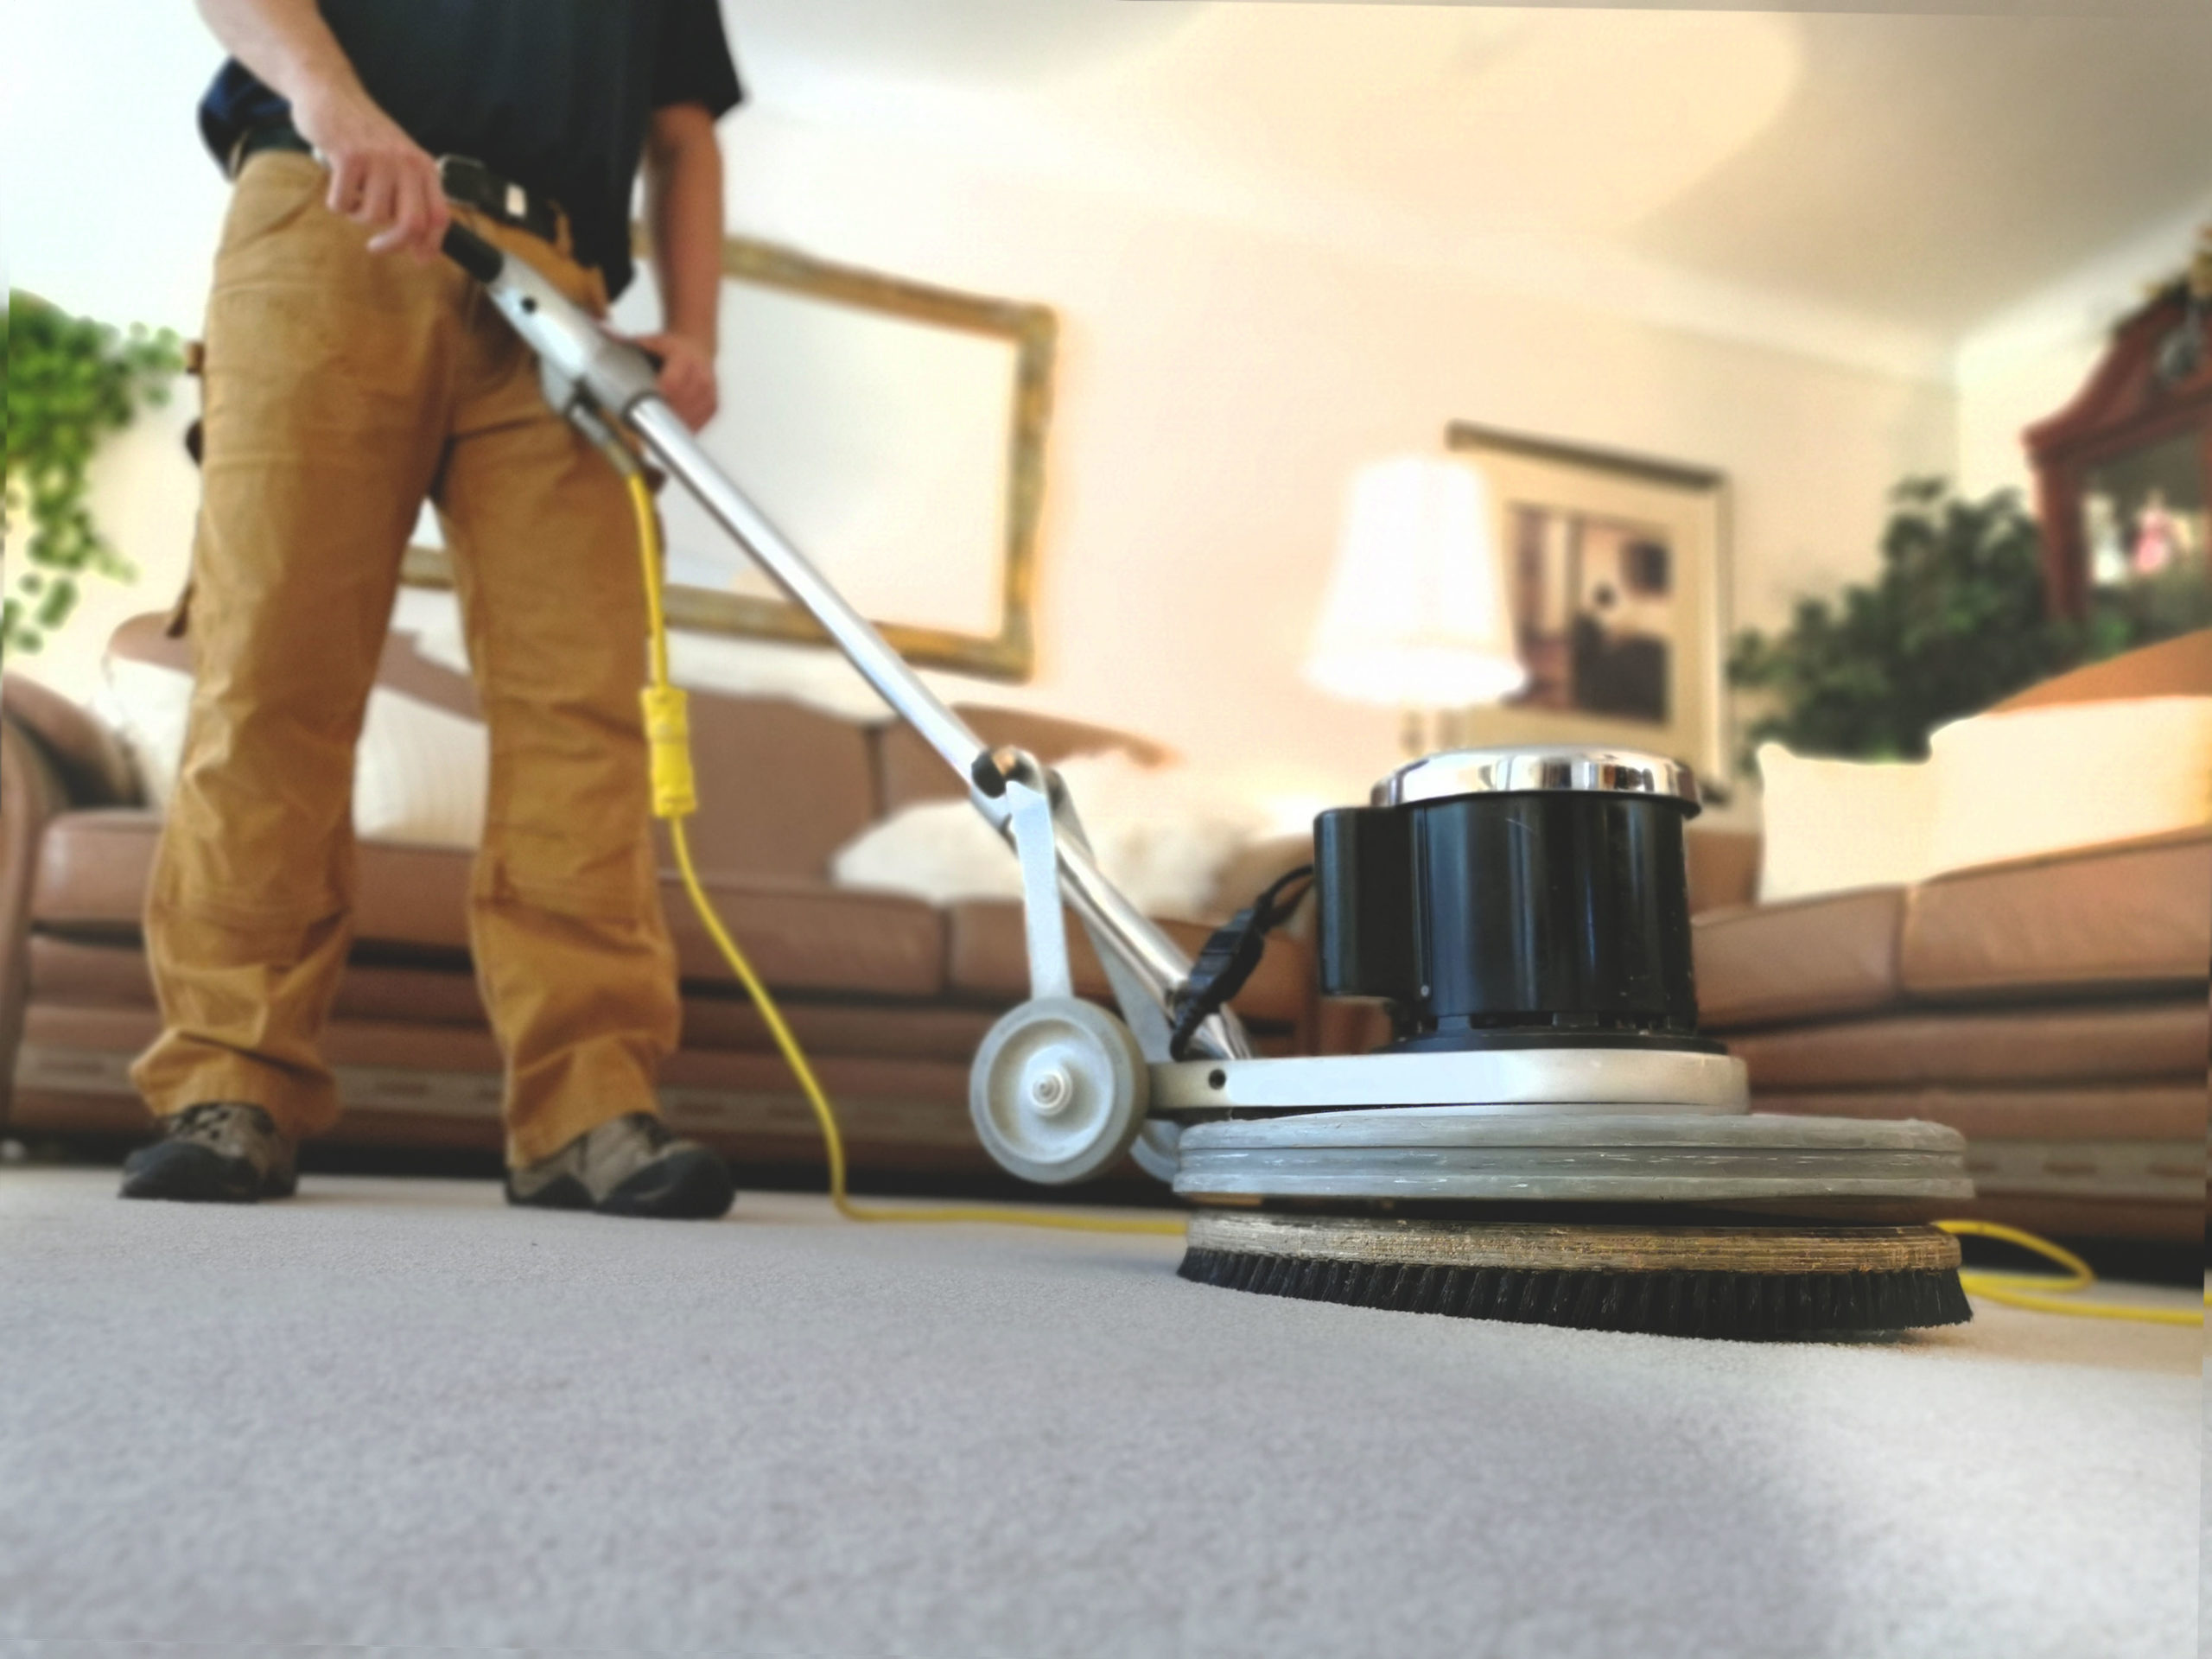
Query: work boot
[[219, 1151], [632, 1165]]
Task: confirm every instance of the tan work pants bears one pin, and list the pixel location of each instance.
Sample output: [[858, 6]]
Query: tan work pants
[[342, 388]]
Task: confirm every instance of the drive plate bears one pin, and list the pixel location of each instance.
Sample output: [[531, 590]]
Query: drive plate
[[1561, 1079], [1551, 1247], [1453, 1152]]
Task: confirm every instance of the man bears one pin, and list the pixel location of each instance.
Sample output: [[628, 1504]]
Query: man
[[350, 373]]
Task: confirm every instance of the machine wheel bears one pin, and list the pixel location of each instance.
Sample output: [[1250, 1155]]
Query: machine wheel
[[1059, 1090]]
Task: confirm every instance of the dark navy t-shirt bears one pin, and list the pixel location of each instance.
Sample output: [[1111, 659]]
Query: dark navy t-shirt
[[553, 94]]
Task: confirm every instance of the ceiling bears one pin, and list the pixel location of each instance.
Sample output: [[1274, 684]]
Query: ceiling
[[1919, 172]]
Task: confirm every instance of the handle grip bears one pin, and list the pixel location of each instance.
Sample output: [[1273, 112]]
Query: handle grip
[[486, 263], [473, 253]]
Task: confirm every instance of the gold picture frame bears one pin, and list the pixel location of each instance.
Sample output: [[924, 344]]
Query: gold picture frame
[[1617, 570], [1031, 330]]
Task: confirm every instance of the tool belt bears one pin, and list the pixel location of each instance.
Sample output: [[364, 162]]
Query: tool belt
[[466, 181]]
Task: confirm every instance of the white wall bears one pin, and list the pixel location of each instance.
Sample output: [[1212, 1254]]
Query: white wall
[[111, 209], [144, 494], [2001, 401], [2028, 362], [1217, 383]]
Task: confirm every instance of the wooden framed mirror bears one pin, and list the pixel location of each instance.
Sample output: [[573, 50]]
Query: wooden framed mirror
[[895, 432], [2124, 472]]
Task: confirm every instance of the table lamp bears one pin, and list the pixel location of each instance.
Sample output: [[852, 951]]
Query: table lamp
[[1416, 616]]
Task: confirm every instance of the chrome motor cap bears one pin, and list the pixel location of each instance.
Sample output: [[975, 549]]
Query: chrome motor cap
[[1520, 771]]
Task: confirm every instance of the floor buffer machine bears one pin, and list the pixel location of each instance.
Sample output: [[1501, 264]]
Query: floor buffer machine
[[1548, 1140]]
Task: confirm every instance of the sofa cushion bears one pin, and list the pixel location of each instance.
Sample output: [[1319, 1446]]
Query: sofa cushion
[[1806, 959], [989, 957], [113, 974], [98, 1038], [2118, 1161], [411, 1086], [725, 1020], [94, 867], [82, 975], [2081, 1042], [91, 871], [781, 786], [2172, 1112], [30, 794], [810, 935], [2101, 919], [802, 935], [907, 770]]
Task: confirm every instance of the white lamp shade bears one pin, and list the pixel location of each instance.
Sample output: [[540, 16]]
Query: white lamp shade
[[1417, 615]]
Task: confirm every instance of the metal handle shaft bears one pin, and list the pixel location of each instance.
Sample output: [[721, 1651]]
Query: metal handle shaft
[[585, 368], [684, 455], [1156, 959]]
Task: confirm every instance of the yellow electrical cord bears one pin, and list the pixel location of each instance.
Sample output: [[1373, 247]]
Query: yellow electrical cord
[[675, 797], [2044, 1292]]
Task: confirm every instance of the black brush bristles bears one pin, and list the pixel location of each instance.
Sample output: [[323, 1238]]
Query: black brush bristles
[[1727, 1305]]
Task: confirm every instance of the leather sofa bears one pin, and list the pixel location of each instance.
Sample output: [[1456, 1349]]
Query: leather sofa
[[889, 995], [2053, 1009]]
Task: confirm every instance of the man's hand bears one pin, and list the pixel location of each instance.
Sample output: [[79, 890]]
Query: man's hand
[[684, 210], [378, 175], [687, 376]]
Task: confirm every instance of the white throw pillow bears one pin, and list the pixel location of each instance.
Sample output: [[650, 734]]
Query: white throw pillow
[[419, 773], [808, 675], [2049, 779], [1995, 787], [940, 851], [1833, 825], [147, 707], [1158, 834]]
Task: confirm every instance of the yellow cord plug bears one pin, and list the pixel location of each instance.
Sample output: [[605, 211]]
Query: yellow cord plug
[[668, 737]]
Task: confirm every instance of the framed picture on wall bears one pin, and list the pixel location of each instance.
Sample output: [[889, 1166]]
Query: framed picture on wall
[[1616, 571], [894, 430]]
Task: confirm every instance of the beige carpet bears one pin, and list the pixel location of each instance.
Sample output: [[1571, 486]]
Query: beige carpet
[[394, 1415]]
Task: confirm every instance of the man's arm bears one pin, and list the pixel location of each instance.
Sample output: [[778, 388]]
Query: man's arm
[[378, 175], [684, 217]]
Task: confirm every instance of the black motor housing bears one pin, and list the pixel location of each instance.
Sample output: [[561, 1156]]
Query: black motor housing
[[1515, 898]]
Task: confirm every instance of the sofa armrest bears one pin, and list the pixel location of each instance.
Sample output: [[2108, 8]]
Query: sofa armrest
[[2173, 668], [32, 793], [1724, 868], [90, 762]]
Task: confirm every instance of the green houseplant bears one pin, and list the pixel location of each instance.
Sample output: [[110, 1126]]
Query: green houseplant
[[70, 382], [1954, 622]]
